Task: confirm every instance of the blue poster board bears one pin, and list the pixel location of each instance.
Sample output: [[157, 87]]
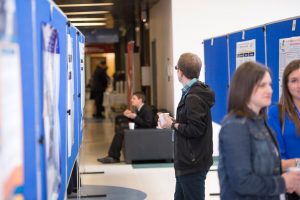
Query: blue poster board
[[216, 73], [257, 34], [29, 26], [275, 32]]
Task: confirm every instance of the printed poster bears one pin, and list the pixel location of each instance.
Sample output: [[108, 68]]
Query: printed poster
[[51, 62], [70, 95], [289, 50], [245, 51], [11, 121], [82, 81]]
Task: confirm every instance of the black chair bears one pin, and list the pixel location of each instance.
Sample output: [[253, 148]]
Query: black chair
[[148, 144]]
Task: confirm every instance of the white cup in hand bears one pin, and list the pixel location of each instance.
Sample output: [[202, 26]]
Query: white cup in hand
[[163, 118], [131, 125]]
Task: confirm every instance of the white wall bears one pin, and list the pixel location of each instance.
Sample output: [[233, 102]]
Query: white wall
[[161, 32], [196, 20]]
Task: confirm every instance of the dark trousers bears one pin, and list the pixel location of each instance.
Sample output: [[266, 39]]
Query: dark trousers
[[121, 123], [191, 186], [98, 103]]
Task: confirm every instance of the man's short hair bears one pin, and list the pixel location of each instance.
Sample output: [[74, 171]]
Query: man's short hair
[[103, 62], [190, 64], [140, 95]]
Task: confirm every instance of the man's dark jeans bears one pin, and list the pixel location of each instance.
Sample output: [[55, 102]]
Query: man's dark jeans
[[191, 186]]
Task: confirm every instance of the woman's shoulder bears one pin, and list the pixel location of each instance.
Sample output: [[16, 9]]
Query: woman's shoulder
[[233, 119]]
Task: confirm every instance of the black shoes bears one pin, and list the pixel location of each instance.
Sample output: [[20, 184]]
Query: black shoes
[[108, 159]]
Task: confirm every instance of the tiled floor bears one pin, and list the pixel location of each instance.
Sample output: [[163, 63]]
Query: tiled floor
[[121, 181]]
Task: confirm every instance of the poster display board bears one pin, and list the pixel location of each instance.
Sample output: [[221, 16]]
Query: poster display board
[[11, 108]]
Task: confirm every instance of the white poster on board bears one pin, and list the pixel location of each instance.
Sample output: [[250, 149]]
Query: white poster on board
[[11, 120], [51, 67], [245, 51], [289, 50], [82, 81], [70, 95]]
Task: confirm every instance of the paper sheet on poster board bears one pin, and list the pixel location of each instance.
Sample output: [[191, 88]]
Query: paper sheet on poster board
[[245, 51], [289, 49], [51, 69], [82, 81], [70, 95], [11, 120]]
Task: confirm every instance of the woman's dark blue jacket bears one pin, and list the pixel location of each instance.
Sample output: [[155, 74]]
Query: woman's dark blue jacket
[[250, 163]]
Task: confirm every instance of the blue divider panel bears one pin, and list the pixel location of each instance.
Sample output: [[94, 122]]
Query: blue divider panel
[[31, 16], [28, 67], [275, 32], [257, 34], [216, 73]]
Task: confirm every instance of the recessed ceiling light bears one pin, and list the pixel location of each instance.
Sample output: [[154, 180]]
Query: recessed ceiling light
[[90, 24], [80, 19], [86, 13], [85, 5]]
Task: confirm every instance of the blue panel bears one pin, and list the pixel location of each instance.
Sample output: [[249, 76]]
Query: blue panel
[[216, 74], [23, 11], [275, 32], [258, 35], [59, 21]]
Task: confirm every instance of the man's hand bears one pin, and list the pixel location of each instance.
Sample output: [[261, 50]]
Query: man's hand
[[128, 113]]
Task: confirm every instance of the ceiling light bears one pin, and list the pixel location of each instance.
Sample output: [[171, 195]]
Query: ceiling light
[[85, 5], [90, 24], [86, 13], [80, 19]]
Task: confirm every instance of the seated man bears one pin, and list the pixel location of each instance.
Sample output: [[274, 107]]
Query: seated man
[[143, 118]]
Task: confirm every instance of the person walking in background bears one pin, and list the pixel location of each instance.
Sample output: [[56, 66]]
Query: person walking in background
[[99, 85], [284, 119], [143, 117], [193, 130], [249, 162]]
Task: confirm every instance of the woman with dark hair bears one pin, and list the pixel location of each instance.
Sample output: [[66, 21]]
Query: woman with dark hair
[[284, 119], [250, 163]]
